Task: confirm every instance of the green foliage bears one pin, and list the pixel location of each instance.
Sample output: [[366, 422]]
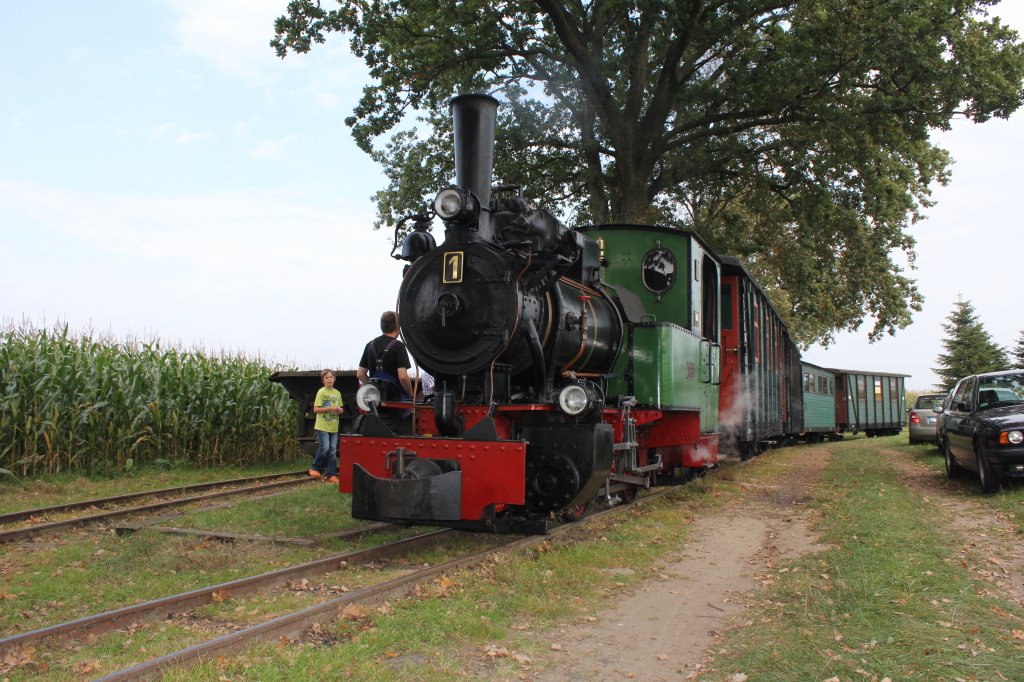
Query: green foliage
[[87, 404], [791, 133], [969, 348]]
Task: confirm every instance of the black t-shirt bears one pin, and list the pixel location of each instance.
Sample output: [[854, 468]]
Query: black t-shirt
[[390, 352]]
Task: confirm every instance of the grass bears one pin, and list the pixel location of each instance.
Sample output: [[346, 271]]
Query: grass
[[1008, 501], [889, 596], [889, 599], [311, 511], [47, 491]]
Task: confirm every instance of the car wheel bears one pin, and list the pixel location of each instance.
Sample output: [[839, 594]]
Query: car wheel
[[987, 476], [953, 469]]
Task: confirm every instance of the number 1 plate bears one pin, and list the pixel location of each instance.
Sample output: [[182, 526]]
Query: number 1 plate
[[452, 267]]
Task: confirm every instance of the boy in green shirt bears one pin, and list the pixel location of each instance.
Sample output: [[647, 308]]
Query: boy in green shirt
[[327, 407]]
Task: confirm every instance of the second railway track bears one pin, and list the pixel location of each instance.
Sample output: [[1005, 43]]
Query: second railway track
[[50, 526]]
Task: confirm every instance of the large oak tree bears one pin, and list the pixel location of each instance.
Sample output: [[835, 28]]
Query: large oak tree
[[791, 133]]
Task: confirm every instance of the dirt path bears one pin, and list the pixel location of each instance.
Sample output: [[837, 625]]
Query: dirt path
[[664, 630]]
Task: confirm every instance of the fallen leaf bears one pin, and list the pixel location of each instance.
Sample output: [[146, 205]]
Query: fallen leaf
[[218, 596], [84, 667], [352, 612]]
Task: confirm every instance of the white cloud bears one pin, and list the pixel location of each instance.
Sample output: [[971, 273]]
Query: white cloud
[[328, 100], [273, 149], [188, 136], [278, 271], [233, 35]]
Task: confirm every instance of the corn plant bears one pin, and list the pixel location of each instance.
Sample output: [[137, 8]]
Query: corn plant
[[87, 403]]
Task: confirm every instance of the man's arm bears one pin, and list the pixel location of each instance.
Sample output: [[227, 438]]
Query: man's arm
[[363, 375], [403, 377]]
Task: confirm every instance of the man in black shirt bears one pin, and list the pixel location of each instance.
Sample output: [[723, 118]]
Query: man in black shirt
[[386, 358]]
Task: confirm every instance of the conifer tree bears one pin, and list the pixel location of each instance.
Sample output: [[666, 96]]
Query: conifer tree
[[969, 347], [1018, 352]]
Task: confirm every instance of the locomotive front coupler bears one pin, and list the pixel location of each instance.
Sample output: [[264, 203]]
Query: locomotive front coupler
[[398, 457]]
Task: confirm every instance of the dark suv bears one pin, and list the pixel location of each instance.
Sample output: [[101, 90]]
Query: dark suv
[[983, 427]]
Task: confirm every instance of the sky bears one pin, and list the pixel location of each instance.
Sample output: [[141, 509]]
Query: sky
[[164, 174]]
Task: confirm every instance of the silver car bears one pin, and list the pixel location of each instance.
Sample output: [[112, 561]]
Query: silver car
[[922, 418]]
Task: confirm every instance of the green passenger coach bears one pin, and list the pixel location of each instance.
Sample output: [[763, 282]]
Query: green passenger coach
[[819, 396]]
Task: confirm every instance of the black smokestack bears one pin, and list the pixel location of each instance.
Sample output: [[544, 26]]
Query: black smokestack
[[475, 117]]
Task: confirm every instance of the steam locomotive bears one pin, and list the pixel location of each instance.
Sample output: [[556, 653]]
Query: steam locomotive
[[571, 367]]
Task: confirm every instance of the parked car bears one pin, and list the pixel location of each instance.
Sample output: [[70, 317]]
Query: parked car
[[940, 432], [922, 418], [983, 428]]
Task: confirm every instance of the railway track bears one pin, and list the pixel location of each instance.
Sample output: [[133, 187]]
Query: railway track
[[240, 488], [296, 622], [109, 620]]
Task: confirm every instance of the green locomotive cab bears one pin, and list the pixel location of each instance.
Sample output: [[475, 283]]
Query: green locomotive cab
[[667, 282]]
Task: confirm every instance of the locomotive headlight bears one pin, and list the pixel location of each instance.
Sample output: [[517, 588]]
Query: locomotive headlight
[[580, 399], [455, 203], [368, 397], [573, 400], [1011, 437]]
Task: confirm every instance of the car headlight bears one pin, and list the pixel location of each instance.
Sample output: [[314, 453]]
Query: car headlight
[[580, 399], [368, 397], [1011, 437]]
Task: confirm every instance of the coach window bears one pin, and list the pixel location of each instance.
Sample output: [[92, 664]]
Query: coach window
[[709, 300]]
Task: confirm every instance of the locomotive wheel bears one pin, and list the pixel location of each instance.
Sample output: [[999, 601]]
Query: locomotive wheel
[[574, 513]]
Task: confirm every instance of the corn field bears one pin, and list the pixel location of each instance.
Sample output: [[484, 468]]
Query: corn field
[[77, 403]]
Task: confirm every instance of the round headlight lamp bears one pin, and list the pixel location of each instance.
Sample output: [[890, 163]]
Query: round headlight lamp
[[580, 399], [368, 397], [574, 400], [1015, 437], [455, 204]]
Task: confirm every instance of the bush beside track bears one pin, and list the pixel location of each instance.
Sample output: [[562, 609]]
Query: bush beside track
[[87, 404]]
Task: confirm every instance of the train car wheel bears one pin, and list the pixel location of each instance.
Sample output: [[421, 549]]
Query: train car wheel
[[574, 513]]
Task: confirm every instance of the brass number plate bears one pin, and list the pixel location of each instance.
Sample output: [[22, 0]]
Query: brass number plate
[[452, 267]]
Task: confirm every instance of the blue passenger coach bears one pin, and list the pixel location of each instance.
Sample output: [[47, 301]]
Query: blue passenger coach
[[819, 396]]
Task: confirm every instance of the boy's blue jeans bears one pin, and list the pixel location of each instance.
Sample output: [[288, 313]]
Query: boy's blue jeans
[[326, 459]]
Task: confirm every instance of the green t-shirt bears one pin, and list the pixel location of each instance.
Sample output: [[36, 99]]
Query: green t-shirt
[[327, 421]]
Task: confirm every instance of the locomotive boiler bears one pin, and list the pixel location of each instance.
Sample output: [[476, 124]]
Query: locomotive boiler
[[566, 372]]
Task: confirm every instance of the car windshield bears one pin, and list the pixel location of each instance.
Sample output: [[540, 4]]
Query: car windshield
[[928, 402], [1001, 390]]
